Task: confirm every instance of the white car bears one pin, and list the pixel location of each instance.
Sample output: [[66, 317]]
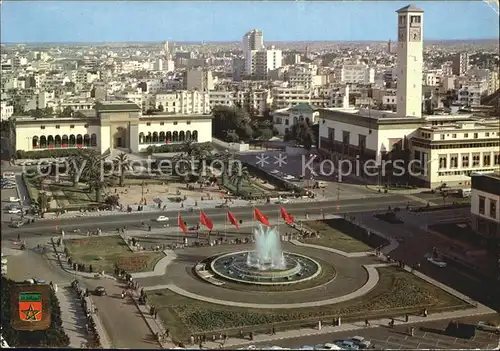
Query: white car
[[329, 346], [436, 262], [15, 211], [162, 219], [488, 326], [14, 199]]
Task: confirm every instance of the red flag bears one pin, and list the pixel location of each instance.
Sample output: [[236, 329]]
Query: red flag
[[260, 217], [207, 222], [287, 217], [181, 224], [232, 219]]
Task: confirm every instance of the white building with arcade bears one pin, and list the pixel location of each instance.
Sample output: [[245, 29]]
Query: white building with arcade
[[111, 125]]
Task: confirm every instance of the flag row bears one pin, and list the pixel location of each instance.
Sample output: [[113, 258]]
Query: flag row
[[230, 217]]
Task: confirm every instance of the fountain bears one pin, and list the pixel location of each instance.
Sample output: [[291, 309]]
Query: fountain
[[267, 264]]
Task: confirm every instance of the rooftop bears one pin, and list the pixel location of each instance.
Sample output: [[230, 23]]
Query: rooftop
[[117, 106], [410, 8], [302, 108]]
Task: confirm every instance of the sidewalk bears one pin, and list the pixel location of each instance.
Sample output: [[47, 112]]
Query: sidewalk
[[73, 317], [327, 329]]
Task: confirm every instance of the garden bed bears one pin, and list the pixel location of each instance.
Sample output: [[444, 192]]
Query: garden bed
[[104, 252], [389, 217], [342, 235], [398, 292], [441, 207]]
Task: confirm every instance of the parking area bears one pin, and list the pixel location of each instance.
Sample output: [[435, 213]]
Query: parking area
[[432, 335], [9, 196], [296, 169]]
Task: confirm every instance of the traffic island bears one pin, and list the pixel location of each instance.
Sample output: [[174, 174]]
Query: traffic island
[[98, 254], [396, 293], [389, 217]]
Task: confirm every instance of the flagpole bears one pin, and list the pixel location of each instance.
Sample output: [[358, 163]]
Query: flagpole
[[178, 227], [225, 226]]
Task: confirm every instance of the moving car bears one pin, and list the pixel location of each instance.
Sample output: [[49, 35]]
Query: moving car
[[162, 219], [100, 291], [435, 262], [329, 346], [488, 326], [14, 199]]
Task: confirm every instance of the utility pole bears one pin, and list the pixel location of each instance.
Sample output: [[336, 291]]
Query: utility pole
[[142, 192], [338, 196]]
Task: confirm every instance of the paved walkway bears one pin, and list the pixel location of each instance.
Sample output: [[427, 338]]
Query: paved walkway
[[398, 320], [160, 267], [338, 252], [372, 281], [73, 317]]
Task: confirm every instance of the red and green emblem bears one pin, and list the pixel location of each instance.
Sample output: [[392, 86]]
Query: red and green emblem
[[30, 307]]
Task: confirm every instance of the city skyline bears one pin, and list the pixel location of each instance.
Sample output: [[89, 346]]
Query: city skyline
[[189, 22]]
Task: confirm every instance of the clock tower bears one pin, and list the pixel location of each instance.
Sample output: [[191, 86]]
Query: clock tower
[[410, 61]]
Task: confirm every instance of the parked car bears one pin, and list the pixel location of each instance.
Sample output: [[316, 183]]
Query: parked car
[[162, 219], [436, 262], [14, 211], [330, 346], [488, 326], [100, 291], [14, 199], [361, 342]]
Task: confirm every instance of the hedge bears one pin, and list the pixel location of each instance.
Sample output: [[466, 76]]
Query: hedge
[[53, 153], [174, 148]]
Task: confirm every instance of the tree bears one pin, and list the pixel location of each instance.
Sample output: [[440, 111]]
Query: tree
[[160, 108], [92, 171], [122, 164], [225, 160], [66, 112], [42, 203], [239, 177], [302, 133], [75, 165], [444, 195], [228, 119]]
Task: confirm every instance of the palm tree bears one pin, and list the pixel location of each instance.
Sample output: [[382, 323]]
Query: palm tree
[[224, 160], [42, 203], [91, 171], [75, 166], [240, 176], [183, 164], [122, 163]]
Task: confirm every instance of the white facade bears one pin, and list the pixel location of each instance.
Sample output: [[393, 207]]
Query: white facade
[[410, 61], [489, 209], [198, 79], [357, 74], [115, 124], [252, 42], [452, 152], [303, 75], [6, 111], [285, 119]]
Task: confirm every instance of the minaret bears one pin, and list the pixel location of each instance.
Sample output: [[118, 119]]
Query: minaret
[[410, 60], [389, 47], [167, 50]]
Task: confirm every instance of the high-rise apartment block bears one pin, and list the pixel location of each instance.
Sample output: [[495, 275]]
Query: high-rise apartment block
[[258, 60], [460, 65]]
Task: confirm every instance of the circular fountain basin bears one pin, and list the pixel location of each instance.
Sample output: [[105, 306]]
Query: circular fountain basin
[[233, 267]]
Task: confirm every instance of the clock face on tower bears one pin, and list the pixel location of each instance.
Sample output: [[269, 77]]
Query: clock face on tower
[[415, 34], [402, 34]]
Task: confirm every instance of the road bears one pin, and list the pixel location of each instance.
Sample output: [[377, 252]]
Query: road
[[427, 336], [111, 222]]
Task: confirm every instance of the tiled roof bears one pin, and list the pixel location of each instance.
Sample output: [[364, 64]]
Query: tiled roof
[[409, 8]]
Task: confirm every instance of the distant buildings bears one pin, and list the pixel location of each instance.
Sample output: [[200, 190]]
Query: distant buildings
[[258, 60], [460, 65]]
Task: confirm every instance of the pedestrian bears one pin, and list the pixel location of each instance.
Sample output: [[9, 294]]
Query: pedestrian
[[200, 345], [407, 317], [191, 339], [273, 330], [425, 312], [167, 332], [367, 323], [156, 314], [18, 237], [251, 336], [412, 331]]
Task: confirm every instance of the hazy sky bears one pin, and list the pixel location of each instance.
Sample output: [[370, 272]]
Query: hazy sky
[[96, 21]]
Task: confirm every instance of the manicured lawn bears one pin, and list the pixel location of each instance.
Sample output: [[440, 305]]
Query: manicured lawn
[[342, 235], [67, 194], [389, 217], [398, 292], [246, 187], [103, 252]]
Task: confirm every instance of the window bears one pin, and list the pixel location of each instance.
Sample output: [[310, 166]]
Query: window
[[86, 126], [148, 124], [454, 162], [486, 160], [188, 122], [475, 160], [58, 126], [487, 134], [442, 136], [481, 204], [287, 122], [465, 161], [42, 127], [454, 136], [175, 123], [442, 162], [162, 123], [496, 160], [72, 126], [493, 209], [466, 135], [475, 135]]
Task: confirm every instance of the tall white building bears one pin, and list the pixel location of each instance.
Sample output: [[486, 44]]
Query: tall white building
[[252, 42], [264, 61], [410, 61]]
